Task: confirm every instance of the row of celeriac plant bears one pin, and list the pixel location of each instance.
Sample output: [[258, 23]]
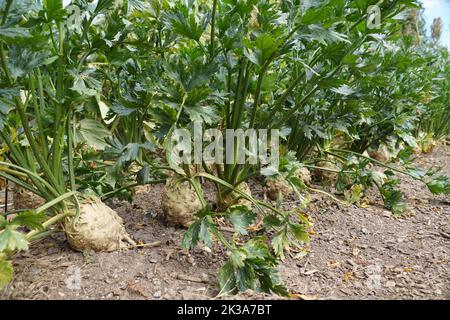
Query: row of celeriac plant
[[46, 95], [87, 101]]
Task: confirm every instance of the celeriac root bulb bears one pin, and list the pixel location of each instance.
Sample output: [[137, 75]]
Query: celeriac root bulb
[[304, 174], [277, 186], [280, 185], [97, 228], [234, 198], [179, 203], [381, 154], [327, 176]]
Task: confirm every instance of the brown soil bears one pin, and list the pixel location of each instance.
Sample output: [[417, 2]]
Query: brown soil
[[358, 252]]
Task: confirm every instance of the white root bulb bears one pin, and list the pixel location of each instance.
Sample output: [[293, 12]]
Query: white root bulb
[[234, 198], [280, 185], [97, 228], [179, 203], [277, 186], [24, 199], [381, 154], [304, 174], [327, 176]]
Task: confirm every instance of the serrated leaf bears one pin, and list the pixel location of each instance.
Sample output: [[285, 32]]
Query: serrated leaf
[[6, 272], [271, 221], [393, 199], [237, 258], [94, 133], [354, 194], [191, 237], [29, 219], [241, 218], [143, 175], [439, 185], [227, 281], [299, 232], [85, 84], [279, 243], [204, 233], [11, 240]]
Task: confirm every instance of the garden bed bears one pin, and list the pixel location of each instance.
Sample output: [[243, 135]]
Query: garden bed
[[357, 252]]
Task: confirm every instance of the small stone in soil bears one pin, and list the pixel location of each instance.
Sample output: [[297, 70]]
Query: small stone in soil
[[390, 284]]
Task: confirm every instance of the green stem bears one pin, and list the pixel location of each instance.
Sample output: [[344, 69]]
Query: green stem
[[374, 161], [213, 26], [70, 152], [110, 194], [229, 186], [23, 118], [55, 201], [32, 174], [38, 113], [198, 191], [6, 10], [47, 224]]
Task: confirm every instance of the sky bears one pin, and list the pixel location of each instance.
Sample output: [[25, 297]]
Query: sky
[[438, 8]]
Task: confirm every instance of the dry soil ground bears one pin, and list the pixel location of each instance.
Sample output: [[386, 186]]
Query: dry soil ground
[[356, 253]]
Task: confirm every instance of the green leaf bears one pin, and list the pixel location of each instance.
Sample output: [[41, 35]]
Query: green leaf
[[3, 222], [186, 25], [143, 175], [261, 49], [14, 32], [136, 5], [85, 84], [191, 237], [271, 221], [227, 280], [203, 212], [354, 194], [299, 232], [298, 183], [241, 218], [256, 248], [279, 243], [94, 133], [121, 109], [29, 219], [200, 113], [54, 9], [204, 233], [439, 185], [405, 154], [237, 258], [393, 199], [103, 5], [24, 59], [6, 272], [11, 240]]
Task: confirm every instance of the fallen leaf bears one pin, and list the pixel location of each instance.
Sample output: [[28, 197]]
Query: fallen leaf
[[347, 276], [301, 296]]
